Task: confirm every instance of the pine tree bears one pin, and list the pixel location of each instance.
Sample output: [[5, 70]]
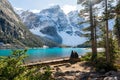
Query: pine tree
[[117, 25], [89, 7], [93, 30]]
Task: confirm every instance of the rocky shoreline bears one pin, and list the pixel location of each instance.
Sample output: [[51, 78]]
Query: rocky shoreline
[[78, 75], [74, 72]]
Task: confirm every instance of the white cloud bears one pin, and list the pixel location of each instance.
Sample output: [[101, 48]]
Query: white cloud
[[18, 8], [68, 8], [35, 11], [52, 4]]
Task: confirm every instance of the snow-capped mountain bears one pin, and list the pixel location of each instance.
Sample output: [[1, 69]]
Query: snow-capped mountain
[[18, 10], [54, 24]]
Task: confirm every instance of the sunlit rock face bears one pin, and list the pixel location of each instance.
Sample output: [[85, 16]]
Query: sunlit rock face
[[12, 30]]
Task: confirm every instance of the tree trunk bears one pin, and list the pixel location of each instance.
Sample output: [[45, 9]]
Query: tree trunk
[[95, 35], [118, 29], [107, 34], [94, 53]]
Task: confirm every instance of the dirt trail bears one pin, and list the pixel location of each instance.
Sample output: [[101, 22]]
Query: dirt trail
[[79, 66]]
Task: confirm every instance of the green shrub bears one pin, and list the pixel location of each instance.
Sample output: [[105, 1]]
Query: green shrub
[[11, 68], [100, 62], [86, 57]]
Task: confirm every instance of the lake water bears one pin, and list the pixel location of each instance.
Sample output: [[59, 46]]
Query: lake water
[[46, 53]]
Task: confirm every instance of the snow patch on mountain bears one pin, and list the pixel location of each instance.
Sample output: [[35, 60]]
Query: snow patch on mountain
[[18, 10], [99, 8], [71, 40], [114, 3], [111, 23], [68, 8], [36, 31], [35, 10]]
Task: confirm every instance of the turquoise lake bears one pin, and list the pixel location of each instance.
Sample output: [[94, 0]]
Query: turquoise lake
[[40, 54]]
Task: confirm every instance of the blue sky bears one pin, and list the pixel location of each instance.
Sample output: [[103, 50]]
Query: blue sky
[[66, 5]]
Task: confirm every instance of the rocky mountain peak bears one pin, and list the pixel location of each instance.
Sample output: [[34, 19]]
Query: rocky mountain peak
[[12, 30], [52, 10], [7, 9], [55, 7], [52, 23], [5, 3]]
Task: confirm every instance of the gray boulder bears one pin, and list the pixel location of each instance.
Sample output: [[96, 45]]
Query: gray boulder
[[110, 78]]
